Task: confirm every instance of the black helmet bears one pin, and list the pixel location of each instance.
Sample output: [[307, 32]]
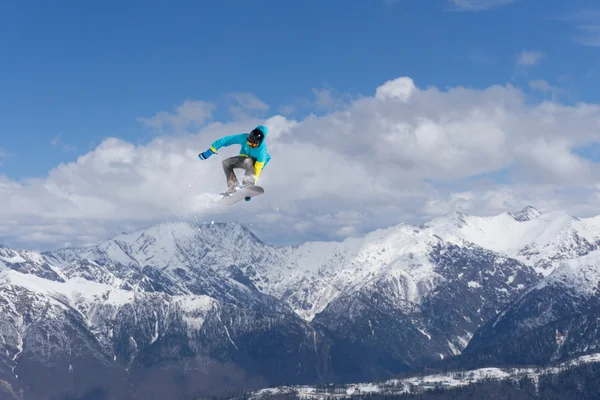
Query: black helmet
[[255, 137]]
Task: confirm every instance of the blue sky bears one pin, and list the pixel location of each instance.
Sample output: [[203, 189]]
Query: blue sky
[[77, 73], [430, 107]]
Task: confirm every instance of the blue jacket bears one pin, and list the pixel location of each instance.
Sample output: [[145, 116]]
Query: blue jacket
[[259, 153]]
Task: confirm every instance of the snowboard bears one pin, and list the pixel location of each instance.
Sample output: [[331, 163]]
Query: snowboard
[[246, 193]]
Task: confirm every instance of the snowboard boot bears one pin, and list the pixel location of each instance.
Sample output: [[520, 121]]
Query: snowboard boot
[[229, 192]]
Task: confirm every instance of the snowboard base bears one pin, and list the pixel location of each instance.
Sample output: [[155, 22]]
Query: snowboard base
[[246, 193]]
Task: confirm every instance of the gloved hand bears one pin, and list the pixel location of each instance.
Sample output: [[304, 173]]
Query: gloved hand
[[206, 154]]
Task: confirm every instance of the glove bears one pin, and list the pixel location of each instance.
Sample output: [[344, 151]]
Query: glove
[[206, 154]]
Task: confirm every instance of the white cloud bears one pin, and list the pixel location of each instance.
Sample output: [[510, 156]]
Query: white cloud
[[589, 35], [4, 155], [286, 109], [58, 142], [481, 57], [328, 99], [541, 85], [190, 113], [546, 88], [552, 162], [249, 101], [479, 5], [323, 98], [400, 88], [530, 58], [585, 23], [246, 105], [402, 153]]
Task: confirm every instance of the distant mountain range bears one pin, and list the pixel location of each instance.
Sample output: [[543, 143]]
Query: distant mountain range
[[180, 309]]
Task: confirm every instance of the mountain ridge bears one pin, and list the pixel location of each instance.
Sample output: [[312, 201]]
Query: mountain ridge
[[393, 300]]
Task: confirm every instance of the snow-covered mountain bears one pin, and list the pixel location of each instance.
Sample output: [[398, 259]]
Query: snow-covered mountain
[[539, 240], [215, 300], [68, 337], [554, 320], [29, 262], [316, 273]]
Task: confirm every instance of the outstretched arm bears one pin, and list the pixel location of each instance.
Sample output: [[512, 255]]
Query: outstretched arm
[[228, 141], [224, 141]]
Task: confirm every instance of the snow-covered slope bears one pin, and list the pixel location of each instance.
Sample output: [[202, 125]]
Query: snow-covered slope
[[565, 292], [87, 335], [322, 272], [581, 276], [537, 239], [555, 319], [592, 221], [177, 245], [29, 262], [420, 384], [175, 258], [423, 309]]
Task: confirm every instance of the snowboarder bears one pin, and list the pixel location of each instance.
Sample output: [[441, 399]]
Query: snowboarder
[[252, 159]]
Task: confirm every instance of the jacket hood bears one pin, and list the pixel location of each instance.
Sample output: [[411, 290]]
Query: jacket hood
[[263, 128]]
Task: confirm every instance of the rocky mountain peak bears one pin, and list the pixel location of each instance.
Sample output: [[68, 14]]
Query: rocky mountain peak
[[527, 214]]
